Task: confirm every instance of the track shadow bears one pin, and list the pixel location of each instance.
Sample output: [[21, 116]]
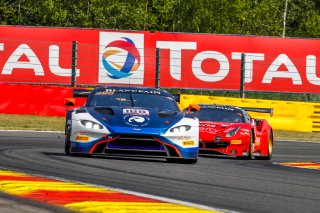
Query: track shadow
[[159, 160]]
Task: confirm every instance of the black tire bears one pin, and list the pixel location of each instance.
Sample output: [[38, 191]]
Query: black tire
[[67, 144], [182, 161], [270, 149]]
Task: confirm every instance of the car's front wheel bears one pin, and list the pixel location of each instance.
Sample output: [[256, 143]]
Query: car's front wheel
[[67, 144], [183, 161]]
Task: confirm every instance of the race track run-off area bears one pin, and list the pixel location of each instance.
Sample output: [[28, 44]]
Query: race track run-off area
[[33, 166]]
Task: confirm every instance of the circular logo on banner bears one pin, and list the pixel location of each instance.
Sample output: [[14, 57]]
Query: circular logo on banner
[[121, 58], [136, 120]]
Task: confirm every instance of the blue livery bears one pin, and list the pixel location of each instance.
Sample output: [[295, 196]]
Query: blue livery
[[132, 121]]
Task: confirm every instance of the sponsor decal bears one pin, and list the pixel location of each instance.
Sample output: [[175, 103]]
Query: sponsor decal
[[207, 125], [105, 93], [121, 58], [184, 138], [236, 141], [142, 91], [217, 107], [82, 138], [80, 133], [188, 143], [208, 130], [135, 111], [136, 120]]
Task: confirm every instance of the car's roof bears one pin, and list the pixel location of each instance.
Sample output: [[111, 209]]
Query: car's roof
[[133, 89]]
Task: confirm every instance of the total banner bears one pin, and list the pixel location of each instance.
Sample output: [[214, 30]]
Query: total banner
[[190, 61]]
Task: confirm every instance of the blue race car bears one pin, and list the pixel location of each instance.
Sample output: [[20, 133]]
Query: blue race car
[[131, 121]]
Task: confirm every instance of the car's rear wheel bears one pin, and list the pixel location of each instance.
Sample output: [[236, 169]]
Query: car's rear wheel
[[270, 148]]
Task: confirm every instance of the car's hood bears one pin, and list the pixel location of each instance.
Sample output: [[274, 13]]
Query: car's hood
[[216, 127], [127, 119]]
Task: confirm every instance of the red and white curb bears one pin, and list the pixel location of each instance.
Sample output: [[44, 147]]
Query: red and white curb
[[89, 198], [304, 165]]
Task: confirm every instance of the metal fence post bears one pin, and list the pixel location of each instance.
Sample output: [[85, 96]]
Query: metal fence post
[[74, 63], [242, 74], [157, 68]]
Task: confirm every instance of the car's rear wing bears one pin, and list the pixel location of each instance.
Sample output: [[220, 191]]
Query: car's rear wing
[[176, 97], [260, 110], [85, 92]]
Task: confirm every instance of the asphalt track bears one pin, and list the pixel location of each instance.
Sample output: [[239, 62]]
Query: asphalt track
[[224, 183]]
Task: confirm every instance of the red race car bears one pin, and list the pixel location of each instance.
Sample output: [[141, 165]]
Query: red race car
[[230, 130]]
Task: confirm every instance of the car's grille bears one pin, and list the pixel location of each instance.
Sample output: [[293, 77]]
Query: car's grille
[[209, 152], [136, 145], [215, 145]]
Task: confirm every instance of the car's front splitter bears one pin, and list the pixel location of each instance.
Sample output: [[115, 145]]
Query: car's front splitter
[[100, 145]]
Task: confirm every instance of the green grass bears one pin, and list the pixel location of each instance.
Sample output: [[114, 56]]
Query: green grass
[[31, 122], [53, 123]]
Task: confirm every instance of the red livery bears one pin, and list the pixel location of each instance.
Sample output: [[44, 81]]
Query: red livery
[[231, 131]]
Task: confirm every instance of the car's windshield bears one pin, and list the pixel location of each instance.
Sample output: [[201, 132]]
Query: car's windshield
[[220, 115], [133, 100]]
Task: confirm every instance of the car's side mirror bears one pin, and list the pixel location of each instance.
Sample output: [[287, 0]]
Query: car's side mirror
[[253, 122], [69, 102], [194, 108]]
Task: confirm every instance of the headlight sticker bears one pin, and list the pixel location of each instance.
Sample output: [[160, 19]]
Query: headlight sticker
[[91, 124], [180, 129]]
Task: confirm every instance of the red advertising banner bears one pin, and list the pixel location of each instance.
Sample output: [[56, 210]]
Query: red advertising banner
[[44, 55], [214, 62], [199, 61]]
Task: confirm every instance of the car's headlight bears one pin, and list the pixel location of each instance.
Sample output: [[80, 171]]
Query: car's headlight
[[180, 129], [233, 132], [91, 124]]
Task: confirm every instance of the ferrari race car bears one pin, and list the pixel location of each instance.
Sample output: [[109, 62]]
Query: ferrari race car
[[229, 130], [131, 121]]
